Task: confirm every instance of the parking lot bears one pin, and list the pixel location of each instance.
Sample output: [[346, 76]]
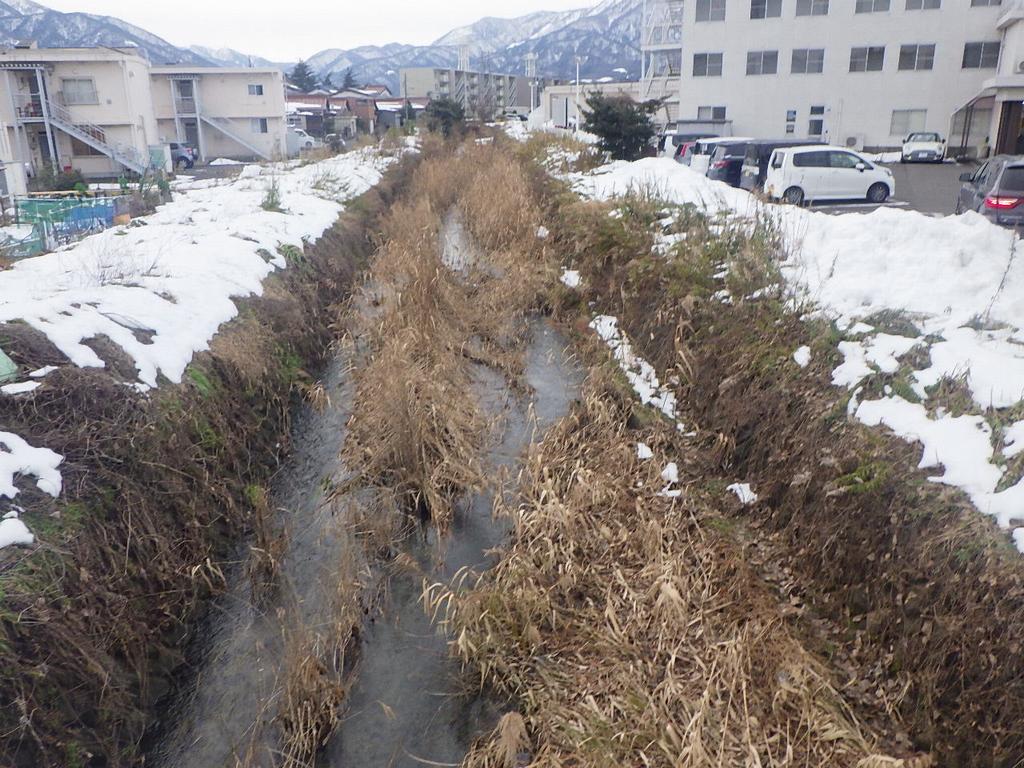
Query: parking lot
[[920, 187]]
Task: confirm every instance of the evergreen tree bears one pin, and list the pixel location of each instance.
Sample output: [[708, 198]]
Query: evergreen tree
[[623, 126], [350, 80], [445, 115], [302, 77], [326, 83]]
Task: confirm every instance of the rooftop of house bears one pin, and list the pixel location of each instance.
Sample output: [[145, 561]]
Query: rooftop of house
[[184, 69], [30, 53]]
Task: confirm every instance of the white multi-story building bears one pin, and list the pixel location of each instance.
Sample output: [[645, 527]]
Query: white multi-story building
[[860, 73], [233, 112], [476, 91]]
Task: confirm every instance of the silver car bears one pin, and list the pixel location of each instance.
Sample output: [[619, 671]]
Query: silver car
[[995, 190]]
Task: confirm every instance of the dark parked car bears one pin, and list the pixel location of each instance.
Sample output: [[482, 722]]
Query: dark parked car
[[995, 190], [183, 155], [755, 162], [726, 162]]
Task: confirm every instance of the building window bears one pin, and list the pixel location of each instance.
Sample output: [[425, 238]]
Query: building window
[[816, 125], [707, 65], [917, 56], [79, 90], [872, 6], [812, 7], [765, 9], [255, 90], [923, 5], [906, 121], [81, 149], [711, 113], [762, 62], [981, 55], [808, 61], [259, 125], [710, 10], [977, 3], [867, 59]]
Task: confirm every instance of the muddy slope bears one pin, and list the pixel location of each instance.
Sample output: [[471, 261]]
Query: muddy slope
[[158, 491]]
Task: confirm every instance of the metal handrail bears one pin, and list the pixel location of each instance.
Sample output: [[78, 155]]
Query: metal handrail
[[119, 152]]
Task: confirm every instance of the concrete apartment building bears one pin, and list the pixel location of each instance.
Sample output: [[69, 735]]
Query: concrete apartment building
[[859, 73], [493, 93], [558, 102], [232, 112], [88, 109], [104, 111]]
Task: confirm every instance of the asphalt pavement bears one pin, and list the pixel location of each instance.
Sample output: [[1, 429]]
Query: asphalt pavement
[[926, 187]]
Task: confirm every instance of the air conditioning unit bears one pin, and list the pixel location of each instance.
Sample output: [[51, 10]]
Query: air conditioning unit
[[1020, 67], [855, 142]]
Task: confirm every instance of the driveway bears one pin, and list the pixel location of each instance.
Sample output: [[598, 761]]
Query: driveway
[[919, 187]]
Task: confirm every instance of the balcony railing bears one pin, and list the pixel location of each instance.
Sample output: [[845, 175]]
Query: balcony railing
[[28, 106], [185, 105]]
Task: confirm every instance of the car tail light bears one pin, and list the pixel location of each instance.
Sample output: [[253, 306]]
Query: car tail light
[[721, 164], [1002, 203]]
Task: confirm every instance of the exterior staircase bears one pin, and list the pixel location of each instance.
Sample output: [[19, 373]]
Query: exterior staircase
[[225, 126], [95, 137]]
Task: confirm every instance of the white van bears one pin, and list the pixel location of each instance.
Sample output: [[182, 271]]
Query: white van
[[700, 160], [799, 174]]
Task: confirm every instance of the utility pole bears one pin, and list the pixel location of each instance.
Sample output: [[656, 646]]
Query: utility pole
[[579, 60], [531, 73]]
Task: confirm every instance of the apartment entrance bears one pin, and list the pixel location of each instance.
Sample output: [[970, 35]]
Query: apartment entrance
[[1010, 140]]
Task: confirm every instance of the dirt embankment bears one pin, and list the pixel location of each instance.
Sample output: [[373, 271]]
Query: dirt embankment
[[906, 588], [158, 491]]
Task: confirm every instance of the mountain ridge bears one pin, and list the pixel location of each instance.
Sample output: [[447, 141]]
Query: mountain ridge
[[607, 33]]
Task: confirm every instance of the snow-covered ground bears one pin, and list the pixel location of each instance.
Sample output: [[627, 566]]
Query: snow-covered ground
[[162, 287], [957, 281]]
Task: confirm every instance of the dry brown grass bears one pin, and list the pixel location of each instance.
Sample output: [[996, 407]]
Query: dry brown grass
[[629, 633], [311, 701], [416, 428]]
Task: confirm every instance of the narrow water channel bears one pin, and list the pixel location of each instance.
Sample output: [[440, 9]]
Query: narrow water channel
[[406, 706]]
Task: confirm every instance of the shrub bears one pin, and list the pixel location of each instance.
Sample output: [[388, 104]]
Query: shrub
[[623, 126]]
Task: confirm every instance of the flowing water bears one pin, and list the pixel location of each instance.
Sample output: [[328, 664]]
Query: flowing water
[[406, 706]]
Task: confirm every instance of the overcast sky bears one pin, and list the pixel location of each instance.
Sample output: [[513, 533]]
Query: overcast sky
[[287, 31]]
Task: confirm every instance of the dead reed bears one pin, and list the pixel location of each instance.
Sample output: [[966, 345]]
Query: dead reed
[[631, 634]]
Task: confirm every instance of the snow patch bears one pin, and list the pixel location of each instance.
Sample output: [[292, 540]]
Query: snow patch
[[641, 374], [961, 445], [17, 457], [162, 291], [644, 452], [14, 531], [743, 492], [802, 356], [571, 278], [20, 388]]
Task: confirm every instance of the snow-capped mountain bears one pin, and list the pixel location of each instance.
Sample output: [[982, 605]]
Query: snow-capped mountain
[[607, 36], [26, 20], [229, 57]]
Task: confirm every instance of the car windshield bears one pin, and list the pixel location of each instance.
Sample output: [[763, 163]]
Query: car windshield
[[924, 137], [1012, 180]]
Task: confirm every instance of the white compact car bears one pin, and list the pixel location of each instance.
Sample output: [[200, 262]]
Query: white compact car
[[923, 147], [804, 174]]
